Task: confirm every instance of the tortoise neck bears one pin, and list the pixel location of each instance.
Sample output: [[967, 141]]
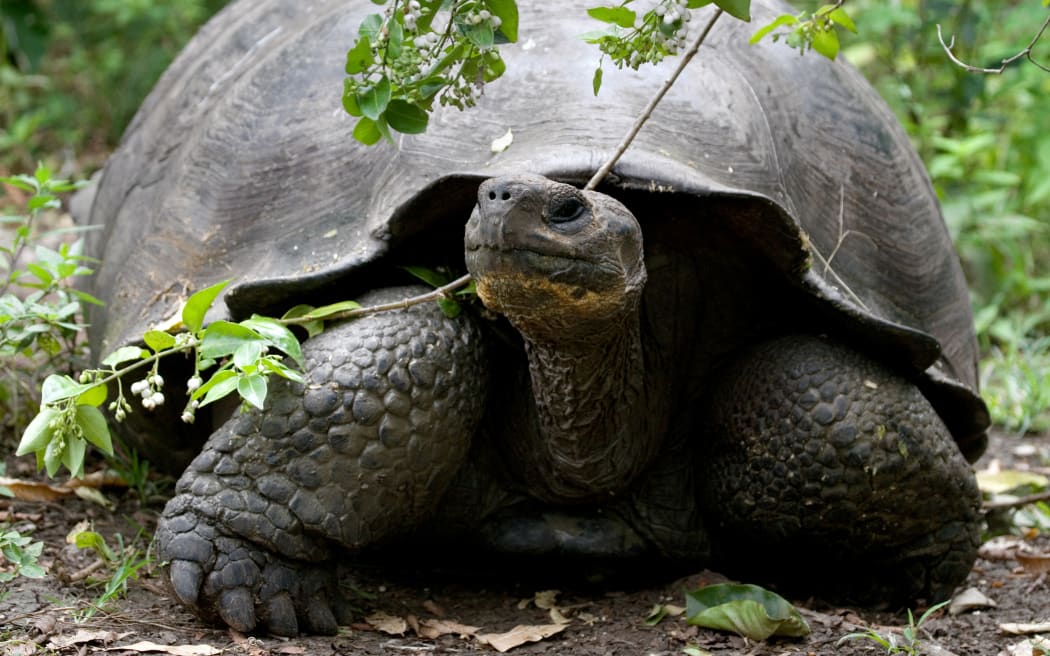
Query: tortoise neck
[[593, 435]]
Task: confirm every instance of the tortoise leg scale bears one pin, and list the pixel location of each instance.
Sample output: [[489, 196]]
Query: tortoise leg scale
[[357, 455], [832, 472]]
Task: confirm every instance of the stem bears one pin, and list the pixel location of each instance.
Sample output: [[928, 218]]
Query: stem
[[1015, 503], [647, 112], [438, 293]]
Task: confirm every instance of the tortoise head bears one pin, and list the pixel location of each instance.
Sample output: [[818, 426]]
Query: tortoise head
[[559, 263]]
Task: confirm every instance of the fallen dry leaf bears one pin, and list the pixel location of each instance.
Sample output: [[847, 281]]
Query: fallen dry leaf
[[433, 608], [83, 636], [291, 649], [1034, 563], [40, 491], [520, 635], [969, 599], [1027, 647], [1003, 547], [436, 628], [386, 623], [1022, 628], [148, 647]]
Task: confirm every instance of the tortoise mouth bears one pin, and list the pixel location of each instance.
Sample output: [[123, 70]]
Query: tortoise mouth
[[488, 261]]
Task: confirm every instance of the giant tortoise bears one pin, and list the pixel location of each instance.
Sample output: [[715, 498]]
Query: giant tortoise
[[751, 347]]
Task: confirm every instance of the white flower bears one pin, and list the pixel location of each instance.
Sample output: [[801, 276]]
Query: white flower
[[187, 417], [157, 398], [148, 404], [496, 22], [138, 386], [193, 383]]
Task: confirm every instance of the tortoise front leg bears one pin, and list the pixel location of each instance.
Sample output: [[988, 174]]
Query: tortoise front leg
[[362, 452], [833, 473]]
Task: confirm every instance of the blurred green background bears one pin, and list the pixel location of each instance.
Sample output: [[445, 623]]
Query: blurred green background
[[73, 72]]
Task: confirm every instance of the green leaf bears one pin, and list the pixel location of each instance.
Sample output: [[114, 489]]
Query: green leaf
[[223, 338], [429, 276], [57, 387], [1008, 480], [405, 117], [198, 305], [395, 39], [329, 311], [779, 21], [747, 610], [621, 16], [370, 27], [220, 385], [277, 335], [359, 57], [373, 101], [840, 17], [367, 132], [450, 307], [826, 43], [481, 35], [507, 10], [91, 421], [737, 8], [52, 456], [93, 396], [73, 457], [247, 354], [596, 81], [253, 389], [279, 368], [125, 354], [38, 433], [158, 340], [312, 328]]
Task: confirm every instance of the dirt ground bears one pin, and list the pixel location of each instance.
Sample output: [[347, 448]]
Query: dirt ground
[[397, 609]]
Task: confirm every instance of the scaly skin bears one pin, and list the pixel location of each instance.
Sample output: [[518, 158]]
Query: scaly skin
[[358, 455], [828, 471]]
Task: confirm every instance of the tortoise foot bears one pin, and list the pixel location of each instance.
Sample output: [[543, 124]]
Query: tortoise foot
[[228, 579]]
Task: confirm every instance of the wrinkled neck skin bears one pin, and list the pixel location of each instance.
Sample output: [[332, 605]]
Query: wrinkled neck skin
[[592, 432]]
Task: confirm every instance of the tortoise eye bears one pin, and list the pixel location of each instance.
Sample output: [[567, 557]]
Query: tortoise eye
[[566, 210]]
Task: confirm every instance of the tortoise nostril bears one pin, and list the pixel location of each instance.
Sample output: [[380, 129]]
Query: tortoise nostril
[[506, 195], [492, 195]]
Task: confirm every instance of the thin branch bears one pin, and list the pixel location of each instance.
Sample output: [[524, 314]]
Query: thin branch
[[647, 112], [444, 291], [1026, 53], [1008, 504]]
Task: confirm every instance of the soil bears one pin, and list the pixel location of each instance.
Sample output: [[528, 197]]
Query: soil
[[39, 616]]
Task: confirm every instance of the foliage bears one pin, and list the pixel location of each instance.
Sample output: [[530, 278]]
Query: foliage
[[21, 554], [240, 354], [39, 307], [401, 63], [986, 142], [744, 609], [123, 564], [908, 643], [399, 66], [73, 72]]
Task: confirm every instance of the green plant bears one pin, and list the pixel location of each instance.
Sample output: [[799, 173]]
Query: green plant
[[60, 61], [21, 553], [400, 64], [908, 643], [987, 147], [39, 307], [123, 564]]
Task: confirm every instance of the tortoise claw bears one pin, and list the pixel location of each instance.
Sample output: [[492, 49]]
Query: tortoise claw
[[237, 609]]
